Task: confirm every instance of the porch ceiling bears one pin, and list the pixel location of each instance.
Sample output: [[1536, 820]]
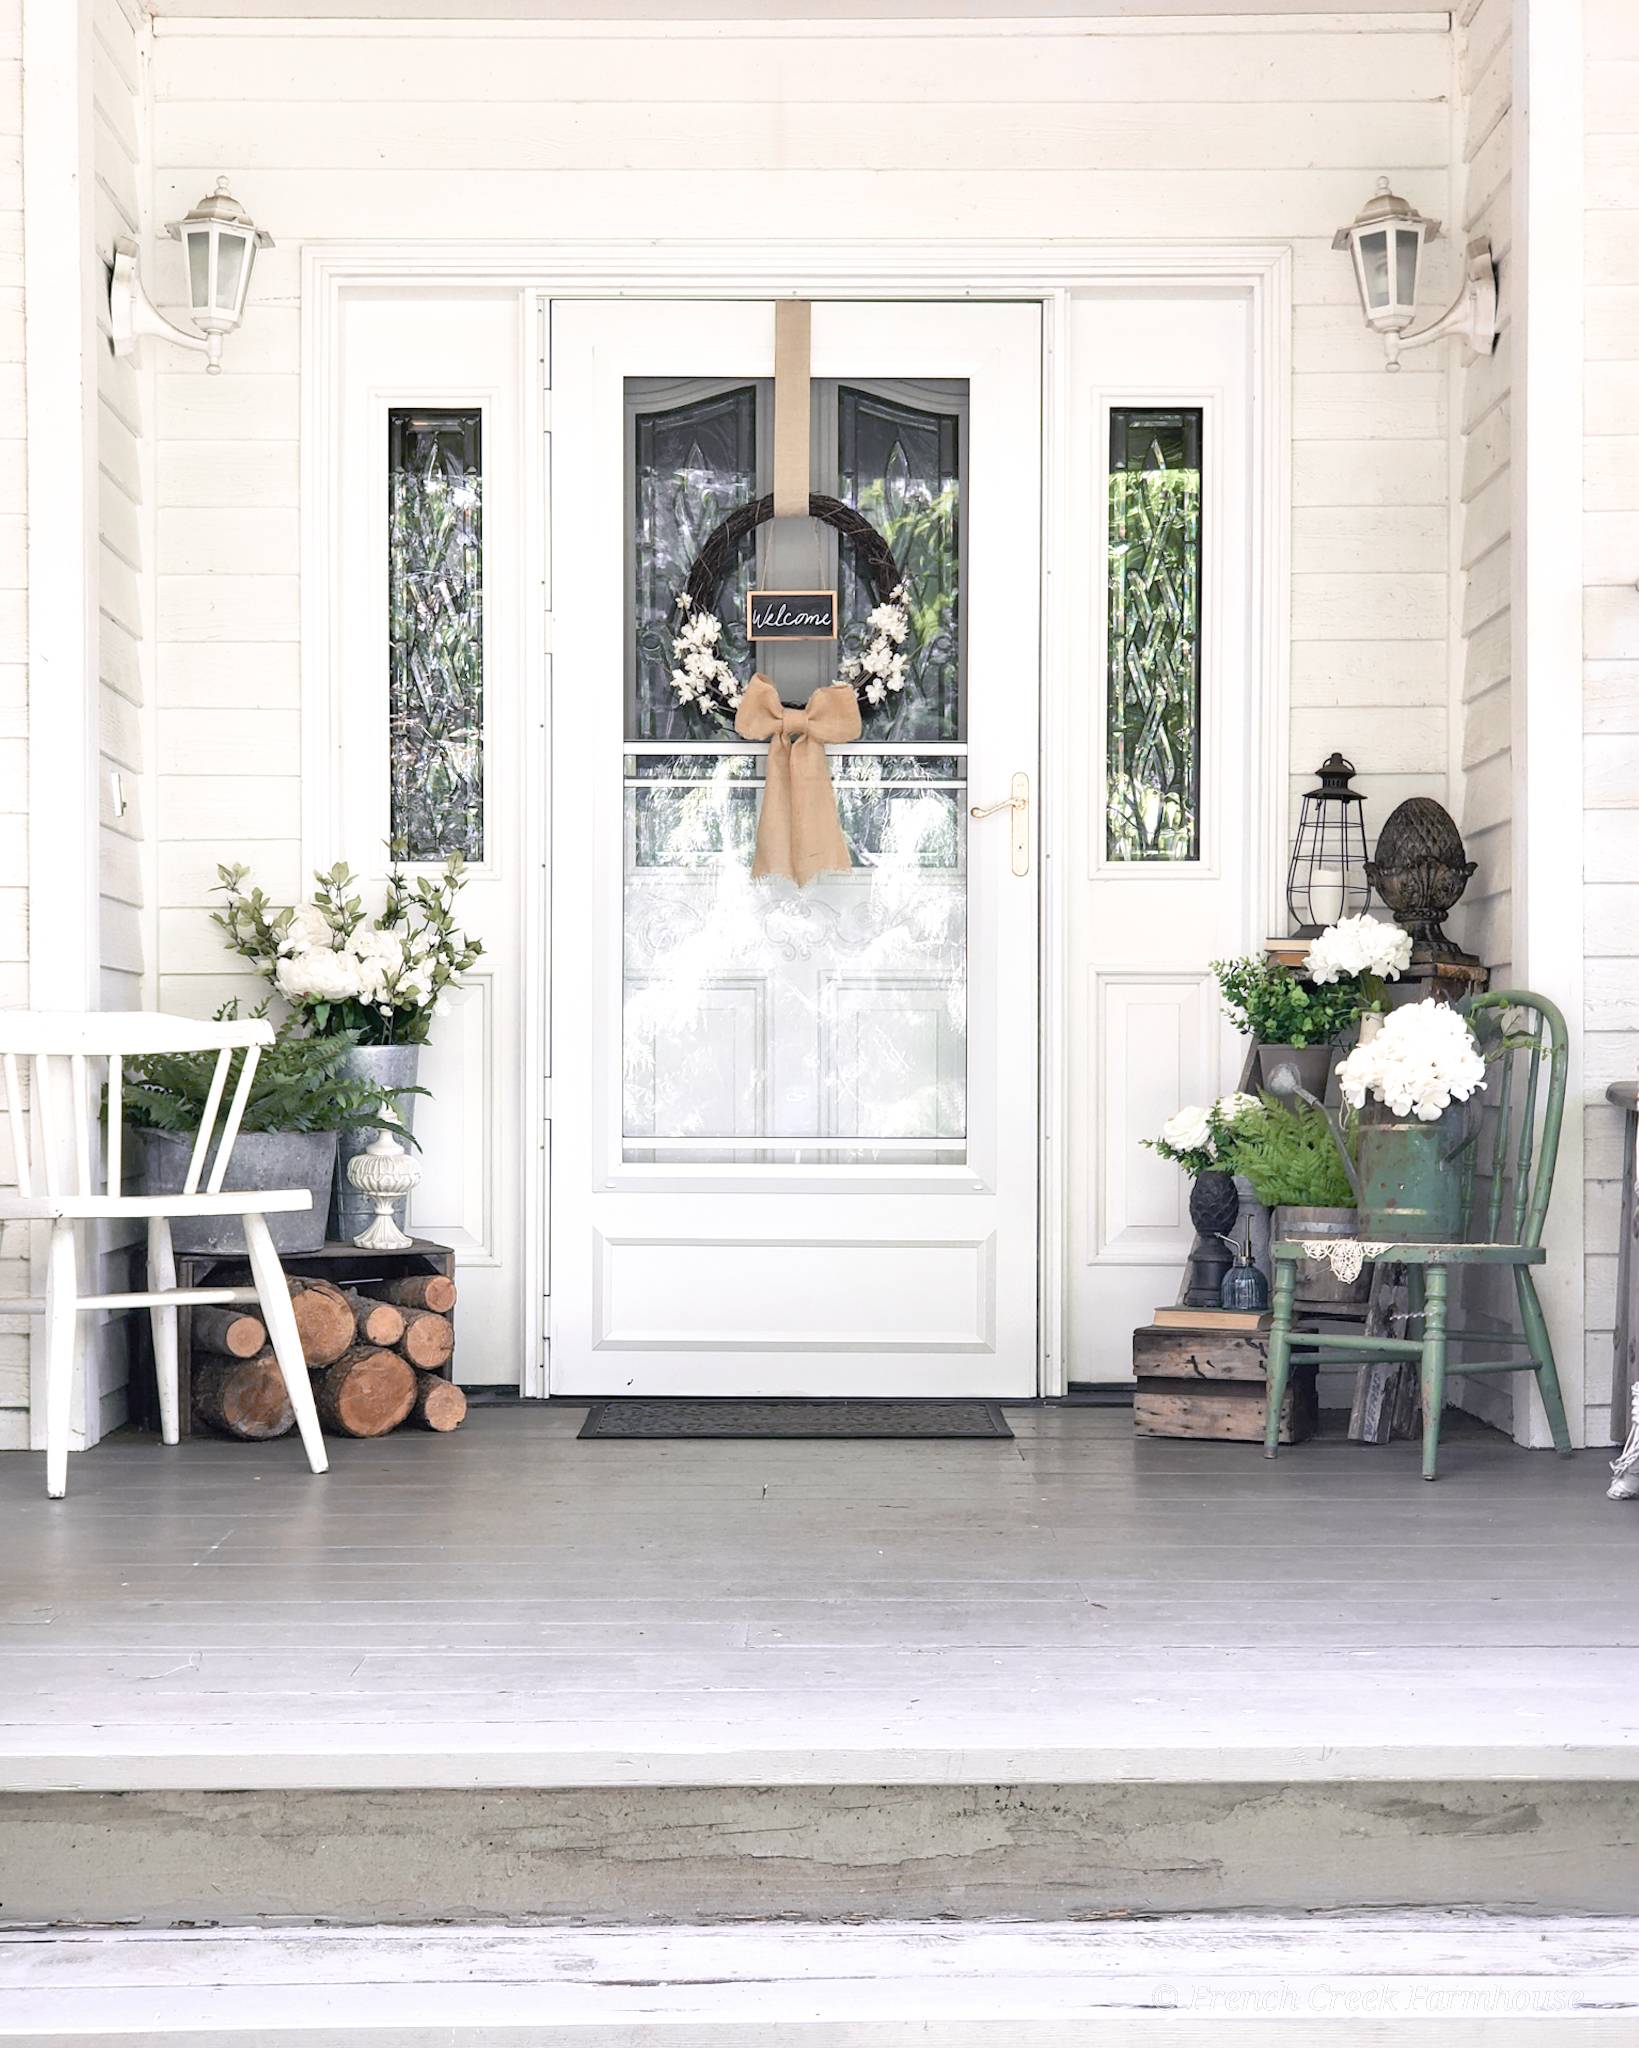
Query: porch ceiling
[[757, 10]]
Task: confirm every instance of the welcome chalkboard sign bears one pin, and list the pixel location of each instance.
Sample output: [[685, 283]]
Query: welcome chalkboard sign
[[791, 615]]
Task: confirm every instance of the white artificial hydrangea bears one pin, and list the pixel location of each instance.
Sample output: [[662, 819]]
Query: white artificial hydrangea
[[1188, 1129], [1421, 1059], [1359, 945]]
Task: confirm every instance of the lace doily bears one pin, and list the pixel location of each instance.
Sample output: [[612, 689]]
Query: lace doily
[[1345, 1255]]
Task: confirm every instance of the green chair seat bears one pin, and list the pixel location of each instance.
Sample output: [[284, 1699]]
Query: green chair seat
[[1513, 1027]]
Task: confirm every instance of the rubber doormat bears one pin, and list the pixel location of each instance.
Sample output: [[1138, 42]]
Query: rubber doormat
[[794, 1420]]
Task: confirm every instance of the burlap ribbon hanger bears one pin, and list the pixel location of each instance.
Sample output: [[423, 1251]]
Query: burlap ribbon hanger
[[798, 832]]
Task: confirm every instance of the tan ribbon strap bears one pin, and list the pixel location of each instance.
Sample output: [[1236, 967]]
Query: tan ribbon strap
[[798, 834], [793, 334]]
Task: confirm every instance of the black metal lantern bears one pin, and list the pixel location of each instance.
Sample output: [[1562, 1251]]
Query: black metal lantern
[[1327, 879]]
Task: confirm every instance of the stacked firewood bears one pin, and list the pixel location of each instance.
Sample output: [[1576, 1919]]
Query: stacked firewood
[[378, 1359]]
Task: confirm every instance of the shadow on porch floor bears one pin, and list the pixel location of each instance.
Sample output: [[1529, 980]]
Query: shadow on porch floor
[[511, 1607]]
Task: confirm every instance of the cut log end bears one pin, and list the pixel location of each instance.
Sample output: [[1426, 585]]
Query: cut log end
[[231, 1332], [429, 1339], [242, 1397], [324, 1321], [366, 1393], [422, 1290], [377, 1322], [439, 1403]]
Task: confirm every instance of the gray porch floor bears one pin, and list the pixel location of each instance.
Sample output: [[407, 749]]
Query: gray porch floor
[[510, 1607]]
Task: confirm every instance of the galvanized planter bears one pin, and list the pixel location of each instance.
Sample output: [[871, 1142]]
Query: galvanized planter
[[1415, 1177], [386, 1066], [1317, 1285], [261, 1160], [1312, 1065]]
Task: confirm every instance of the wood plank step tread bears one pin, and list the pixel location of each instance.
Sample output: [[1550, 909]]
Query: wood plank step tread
[[1381, 1978]]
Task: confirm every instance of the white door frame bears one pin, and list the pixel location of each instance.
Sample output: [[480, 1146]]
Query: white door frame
[[1048, 272]]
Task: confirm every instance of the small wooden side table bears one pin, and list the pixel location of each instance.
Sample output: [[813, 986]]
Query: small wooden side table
[[1625, 1349], [344, 1264]]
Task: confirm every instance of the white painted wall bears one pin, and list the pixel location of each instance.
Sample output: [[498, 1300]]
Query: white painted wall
[[14, 1278], [1266, 128], [1610, 640]]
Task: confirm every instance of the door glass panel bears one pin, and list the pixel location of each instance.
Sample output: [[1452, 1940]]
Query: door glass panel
[[435, 600], [693, 461], [764, 1024], [1153, 708]]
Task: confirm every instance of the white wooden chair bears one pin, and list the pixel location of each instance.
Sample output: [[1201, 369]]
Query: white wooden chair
[[53, 1055]]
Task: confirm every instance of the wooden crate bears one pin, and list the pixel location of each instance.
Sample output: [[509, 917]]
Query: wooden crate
[[1210, 1384], [345, 1264]]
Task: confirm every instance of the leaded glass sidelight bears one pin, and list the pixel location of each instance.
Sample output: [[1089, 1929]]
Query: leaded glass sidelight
[[435, 599], [1153, 714], [899, 463]]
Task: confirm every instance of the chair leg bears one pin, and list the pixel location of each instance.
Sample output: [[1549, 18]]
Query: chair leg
[[280, 1317], [1433, 1365], [62, 1316], [1535, 1326], [162, 1274], [1279, 1363]]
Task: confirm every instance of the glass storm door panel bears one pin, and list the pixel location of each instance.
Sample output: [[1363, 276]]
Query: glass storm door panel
[[794, 1130]]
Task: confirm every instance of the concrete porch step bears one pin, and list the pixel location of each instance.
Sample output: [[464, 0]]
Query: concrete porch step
[[1462, 1980]]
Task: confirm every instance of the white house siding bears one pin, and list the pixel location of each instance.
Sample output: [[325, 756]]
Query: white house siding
[[1611, 637], [14, 1341], [1266, 128]]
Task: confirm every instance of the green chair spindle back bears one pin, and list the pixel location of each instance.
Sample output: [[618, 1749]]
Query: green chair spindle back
[[1518, 1029]]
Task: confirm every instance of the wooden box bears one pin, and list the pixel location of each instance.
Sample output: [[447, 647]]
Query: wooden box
[[1210, 1384], [345, 1264]]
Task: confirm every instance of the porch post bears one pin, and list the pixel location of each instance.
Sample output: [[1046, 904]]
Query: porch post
[[61, 293], [1546, 318]]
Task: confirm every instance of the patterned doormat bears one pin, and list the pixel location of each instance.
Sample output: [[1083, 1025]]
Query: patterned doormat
[[793, 1420]]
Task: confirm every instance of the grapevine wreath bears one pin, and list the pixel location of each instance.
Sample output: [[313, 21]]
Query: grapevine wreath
[[702, 677]]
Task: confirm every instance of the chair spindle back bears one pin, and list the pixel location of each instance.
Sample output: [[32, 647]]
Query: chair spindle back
[[1517, 1029]]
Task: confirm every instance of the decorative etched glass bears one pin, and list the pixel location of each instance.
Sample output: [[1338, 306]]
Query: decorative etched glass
[[694, 463], [1153, 716], [900, 464], [435, 599]]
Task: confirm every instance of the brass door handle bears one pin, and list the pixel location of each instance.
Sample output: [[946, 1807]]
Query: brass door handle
[[1019, 805]]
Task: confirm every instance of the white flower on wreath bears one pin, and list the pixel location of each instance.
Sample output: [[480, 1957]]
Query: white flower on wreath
[[1422, 1059], [1359, 945], [1188, 1129], [702, 676]]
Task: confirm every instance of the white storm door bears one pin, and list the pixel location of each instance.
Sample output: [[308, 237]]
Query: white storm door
[[793, 1133], [426, 612], [1162, 738]]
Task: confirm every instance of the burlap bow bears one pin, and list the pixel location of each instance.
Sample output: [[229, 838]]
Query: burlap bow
[[797, 833]]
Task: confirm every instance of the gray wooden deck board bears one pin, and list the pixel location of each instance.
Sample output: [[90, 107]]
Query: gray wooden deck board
[[1073, 1604]]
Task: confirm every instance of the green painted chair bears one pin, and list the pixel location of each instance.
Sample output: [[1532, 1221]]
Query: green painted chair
[[1512, 1190]]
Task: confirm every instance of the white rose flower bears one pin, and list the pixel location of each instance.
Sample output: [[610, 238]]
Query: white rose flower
[[308, 927], [1228, 1107], [318, 976], [1188, 1129], [387, 947]]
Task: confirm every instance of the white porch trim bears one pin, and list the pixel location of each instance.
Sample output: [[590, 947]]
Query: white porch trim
[[1049, 271]]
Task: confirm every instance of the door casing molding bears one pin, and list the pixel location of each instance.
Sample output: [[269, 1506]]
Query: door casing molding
[[1049, 272]]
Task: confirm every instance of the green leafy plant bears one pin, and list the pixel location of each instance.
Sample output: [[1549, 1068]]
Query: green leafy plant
[[1290, 1155], [1269, 1004], [301, 1084]]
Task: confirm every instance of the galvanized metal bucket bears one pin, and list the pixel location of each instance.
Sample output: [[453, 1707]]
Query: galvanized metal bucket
[[261, 1160], [1317, 1285], [1310, 1064], [1415, 1177], [386, 1066]]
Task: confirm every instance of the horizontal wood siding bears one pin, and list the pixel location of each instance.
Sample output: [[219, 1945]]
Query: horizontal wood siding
[[1264, 129], [1610, 702], [14, 1277]]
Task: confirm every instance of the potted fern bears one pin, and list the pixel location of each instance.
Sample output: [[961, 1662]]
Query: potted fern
[[302, 1097], [1293, 1160]]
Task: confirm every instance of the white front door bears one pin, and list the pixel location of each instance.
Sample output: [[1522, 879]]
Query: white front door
[[794, 1132]]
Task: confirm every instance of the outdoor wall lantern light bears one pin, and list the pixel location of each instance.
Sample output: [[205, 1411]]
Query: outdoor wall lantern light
[[1386, 240], [1328, 877], [220, 241]]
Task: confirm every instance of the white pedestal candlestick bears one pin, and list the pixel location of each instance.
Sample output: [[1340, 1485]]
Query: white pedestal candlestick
[[386, 1173]]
